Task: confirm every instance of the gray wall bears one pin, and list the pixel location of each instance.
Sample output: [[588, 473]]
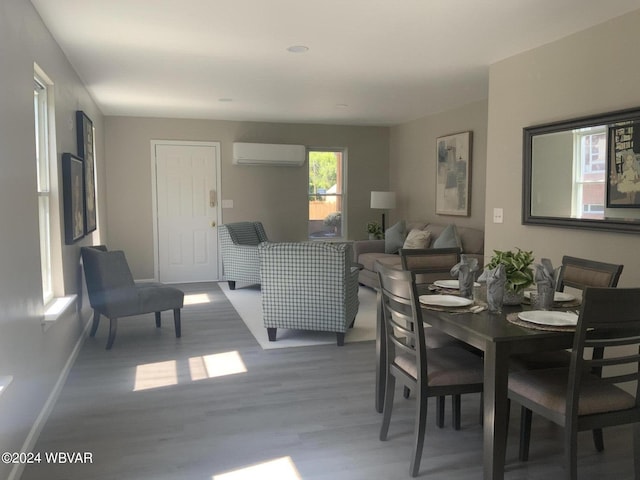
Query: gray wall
[[587, 73], [413, 164], [277, 196], [33, 355]]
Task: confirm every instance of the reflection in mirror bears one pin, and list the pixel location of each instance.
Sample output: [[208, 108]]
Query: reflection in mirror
[[584, 173]]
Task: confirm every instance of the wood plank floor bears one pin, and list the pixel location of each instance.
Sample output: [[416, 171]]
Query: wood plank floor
[[311, 404]]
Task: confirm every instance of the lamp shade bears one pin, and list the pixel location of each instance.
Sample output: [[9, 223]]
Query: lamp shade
[[384, 200]]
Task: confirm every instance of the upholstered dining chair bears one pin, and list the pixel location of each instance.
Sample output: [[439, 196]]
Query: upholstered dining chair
[[239, 249], [576, 273], [114, 294], [429, 265], [588, 395], [430, 372]]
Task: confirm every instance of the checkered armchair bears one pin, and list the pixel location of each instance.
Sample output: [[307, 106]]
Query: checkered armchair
[[308, 286], [239, 247]]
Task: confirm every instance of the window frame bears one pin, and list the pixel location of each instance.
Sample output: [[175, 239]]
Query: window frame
[[341, 196]]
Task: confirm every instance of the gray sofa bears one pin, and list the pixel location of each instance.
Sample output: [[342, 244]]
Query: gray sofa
[[368, 252]]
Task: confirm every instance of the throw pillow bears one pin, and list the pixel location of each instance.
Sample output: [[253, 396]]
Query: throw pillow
[[394, 237], [448, 238], [417, 239]]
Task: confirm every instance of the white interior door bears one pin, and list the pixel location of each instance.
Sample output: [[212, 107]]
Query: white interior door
[[186, 212]]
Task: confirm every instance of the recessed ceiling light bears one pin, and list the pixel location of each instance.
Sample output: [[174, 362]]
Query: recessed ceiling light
[[225, 100], [298, 49]]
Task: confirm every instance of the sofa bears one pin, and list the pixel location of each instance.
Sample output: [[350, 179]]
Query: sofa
[[368, 252], [308, 286]]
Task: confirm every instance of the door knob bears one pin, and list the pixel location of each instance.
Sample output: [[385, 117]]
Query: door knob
[[213, 224]]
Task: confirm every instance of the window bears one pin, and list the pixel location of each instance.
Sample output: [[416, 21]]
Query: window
[[40, 108], [326, 193], [589, 172]]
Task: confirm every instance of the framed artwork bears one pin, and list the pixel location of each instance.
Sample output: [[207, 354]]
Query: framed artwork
[[453, 153], [86, 151], [623, 166], [73, 192]]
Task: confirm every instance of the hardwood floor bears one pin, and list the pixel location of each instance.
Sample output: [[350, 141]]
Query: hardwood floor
[[312, 404]]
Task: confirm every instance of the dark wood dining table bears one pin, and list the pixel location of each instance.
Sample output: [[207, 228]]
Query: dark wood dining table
[[498, 338]]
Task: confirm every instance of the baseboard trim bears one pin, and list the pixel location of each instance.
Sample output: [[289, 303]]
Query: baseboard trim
[[37, 426]]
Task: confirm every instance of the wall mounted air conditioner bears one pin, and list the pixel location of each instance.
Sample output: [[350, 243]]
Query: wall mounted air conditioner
[[268, 154]]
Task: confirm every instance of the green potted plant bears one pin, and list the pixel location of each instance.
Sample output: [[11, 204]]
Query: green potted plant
[[517, 264], [334, 219], [374, 230]]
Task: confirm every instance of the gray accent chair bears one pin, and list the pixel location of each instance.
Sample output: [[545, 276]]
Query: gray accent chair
[[308, 286], [114, 294], [239, 248]]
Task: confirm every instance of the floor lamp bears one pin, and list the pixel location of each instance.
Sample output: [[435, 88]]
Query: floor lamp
[[383, 201]]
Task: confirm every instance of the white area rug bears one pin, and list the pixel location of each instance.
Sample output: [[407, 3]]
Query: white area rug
[[248, 304]]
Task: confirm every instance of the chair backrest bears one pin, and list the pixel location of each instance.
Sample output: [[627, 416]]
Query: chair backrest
[[404, 329], [429, 264], [246, 233], [104, 271], [609, 317], [581, 273]]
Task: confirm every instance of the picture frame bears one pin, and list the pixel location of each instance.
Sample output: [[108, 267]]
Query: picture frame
[[73, 193], [623, 165], [453, 174], [85, 138]]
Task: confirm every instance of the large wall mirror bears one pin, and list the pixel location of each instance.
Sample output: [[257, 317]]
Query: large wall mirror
[[584, 173]]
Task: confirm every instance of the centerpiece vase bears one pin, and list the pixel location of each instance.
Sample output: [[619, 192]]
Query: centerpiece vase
[[512, 298]]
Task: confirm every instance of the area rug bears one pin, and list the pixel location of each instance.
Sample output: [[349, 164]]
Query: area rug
[[248, 304]]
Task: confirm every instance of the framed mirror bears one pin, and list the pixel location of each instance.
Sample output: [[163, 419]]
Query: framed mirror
[[583, 173]]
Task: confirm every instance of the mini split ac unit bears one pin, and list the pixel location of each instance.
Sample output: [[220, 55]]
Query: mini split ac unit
[[268, 154]]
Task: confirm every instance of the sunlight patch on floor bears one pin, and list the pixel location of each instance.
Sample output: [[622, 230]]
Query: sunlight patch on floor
[[165, 374], [216, 365], [155, 375], [280, 468], [197, 298]]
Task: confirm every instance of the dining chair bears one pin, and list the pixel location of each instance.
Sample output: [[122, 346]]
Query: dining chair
[[430, 372], [577, 273], [430, 265], [588, 395]]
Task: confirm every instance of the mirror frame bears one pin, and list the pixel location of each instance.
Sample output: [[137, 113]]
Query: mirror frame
[[612, 224]]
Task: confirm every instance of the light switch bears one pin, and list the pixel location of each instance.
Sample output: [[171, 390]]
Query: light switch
[[498, 215], [227, 203]]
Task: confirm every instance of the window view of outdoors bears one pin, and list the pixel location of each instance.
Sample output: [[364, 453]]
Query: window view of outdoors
[[325, 194], [590, 173]]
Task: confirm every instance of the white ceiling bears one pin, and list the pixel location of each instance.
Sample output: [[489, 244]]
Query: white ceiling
[[370, 62]]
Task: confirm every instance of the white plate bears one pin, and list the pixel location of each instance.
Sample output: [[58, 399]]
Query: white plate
[[452, 284], [543, 317], [445, 300], [557, 296]]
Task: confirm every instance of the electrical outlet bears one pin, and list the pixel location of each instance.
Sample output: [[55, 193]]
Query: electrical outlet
[[498, 215], [227, 203]]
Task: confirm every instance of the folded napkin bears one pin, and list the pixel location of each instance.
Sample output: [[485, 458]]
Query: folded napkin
[[545, 275], [496, 279], [465, 271]]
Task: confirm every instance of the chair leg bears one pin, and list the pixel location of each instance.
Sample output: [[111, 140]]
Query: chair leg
[[176, 322], [636, 451], [96, 321], [598, 439], [340, 339], [232, 285], [158, 320], [525, 434], [455, 411], [571, 452], [271, 333], [440, 411], [388, 405], [420, 427], [113, 328]]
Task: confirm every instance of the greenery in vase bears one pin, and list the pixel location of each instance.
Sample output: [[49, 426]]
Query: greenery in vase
[[374, 228], [517, 265]]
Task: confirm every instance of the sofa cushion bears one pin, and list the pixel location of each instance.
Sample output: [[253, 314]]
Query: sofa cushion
[[394, 237], [448, 238], [417, 239]]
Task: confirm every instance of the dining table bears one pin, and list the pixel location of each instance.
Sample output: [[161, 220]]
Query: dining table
[[498, 338]]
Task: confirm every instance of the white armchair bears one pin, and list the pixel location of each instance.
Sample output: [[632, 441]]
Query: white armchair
[[308, 286]]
